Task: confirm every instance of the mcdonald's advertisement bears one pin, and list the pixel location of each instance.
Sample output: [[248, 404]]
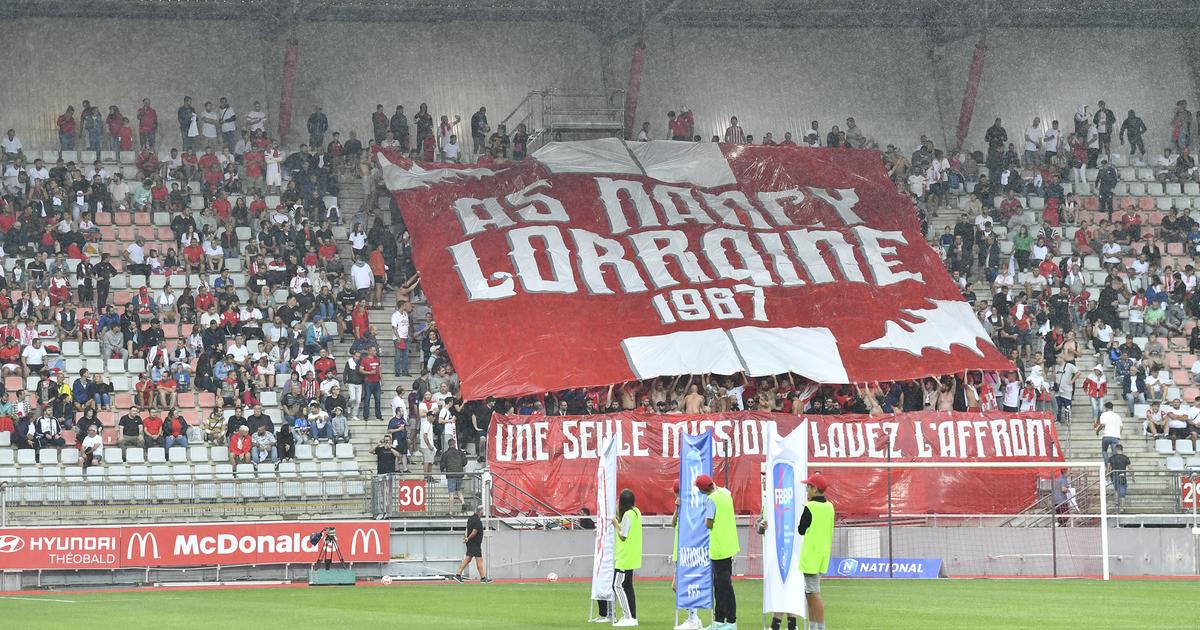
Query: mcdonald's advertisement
[[200, 544]]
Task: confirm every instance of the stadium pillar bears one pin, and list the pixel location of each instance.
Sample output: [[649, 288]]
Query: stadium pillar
[[972, 90], [635, 84], [291, 59]]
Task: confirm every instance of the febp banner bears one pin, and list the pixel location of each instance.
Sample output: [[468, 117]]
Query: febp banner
[[883, 568], [787, 468], [680, 258], [193, 544], [693, 568], [606, 509], [554, 458]]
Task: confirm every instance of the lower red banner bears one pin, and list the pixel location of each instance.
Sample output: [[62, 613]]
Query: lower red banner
[[553, 458], [186, 545]]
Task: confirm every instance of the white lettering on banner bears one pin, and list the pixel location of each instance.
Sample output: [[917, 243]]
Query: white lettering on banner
[[693, 556], [143, 540], [73, 543], [870, 440], [667, 256], [227, 544], [67, 559]]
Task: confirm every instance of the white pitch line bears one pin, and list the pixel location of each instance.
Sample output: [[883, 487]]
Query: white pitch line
[[39, 599]]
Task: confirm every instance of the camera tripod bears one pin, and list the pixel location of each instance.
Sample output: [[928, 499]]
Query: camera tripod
[[328, 550]]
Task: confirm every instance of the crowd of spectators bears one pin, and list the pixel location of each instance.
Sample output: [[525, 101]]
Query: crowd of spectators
[[267, 323]]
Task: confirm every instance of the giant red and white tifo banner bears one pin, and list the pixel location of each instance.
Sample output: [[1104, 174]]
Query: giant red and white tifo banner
[[554, 458], [601, 262], [128, 546]]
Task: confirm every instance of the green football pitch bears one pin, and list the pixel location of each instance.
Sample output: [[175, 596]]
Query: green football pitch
[[924, 604]]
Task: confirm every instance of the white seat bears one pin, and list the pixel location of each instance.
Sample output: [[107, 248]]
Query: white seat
[[6, 440], [156, 455], [7, 457], [135, 455], [27, 457], [244, 470], [1175, 463], [309, 473], [323, 451], [304, 451], [31, 479], [116, 366], [219, 454], [1163, 446], [113, 455], [1193, 462], [345, 450], [177, 454], [203, 475], [289, 479], [1184, 447], [136, 366], [70, 348], [197, 453], [162, 488], [69, 456], [269, 398], [48, 456]]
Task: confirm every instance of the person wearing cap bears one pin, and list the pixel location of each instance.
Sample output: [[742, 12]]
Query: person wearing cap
[[722, 547], [816, 526]]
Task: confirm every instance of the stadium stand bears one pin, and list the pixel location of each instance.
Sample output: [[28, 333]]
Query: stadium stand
[[247, 276]]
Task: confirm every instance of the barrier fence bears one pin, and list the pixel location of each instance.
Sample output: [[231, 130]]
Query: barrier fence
[[401, 495], [165, 499]]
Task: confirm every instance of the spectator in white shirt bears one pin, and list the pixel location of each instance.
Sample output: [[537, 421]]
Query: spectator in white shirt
[[400, 333], [1109, 427], [1033, 143], [256, 120], [11, 145]]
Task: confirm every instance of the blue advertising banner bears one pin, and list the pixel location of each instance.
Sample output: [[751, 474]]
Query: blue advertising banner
[[907, 568], [693, 570]]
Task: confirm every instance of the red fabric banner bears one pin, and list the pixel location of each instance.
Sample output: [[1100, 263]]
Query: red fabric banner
[[186, 545], [553, 458], [972, 90], [635, 86], [573, 269], [291, 58]]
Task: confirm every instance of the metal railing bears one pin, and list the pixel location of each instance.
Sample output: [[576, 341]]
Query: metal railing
[[165, 500], [400, 495]]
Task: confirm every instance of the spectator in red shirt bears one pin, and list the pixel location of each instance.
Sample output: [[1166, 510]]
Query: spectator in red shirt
[[239, 446], [152, 427], [113, 124], [369, 368], [147, 162], [147, 125], [125, 135], [67, 130], [256, 165], [176, 428]]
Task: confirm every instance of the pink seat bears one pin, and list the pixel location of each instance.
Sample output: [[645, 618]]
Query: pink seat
[[207, 400], [186, 399], [141, 218], [123, 218], [1174, 249], [14, 383], [103, 218]]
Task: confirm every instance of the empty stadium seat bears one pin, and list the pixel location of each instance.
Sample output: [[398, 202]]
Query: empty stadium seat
[[1164, 447], [1175, 463]]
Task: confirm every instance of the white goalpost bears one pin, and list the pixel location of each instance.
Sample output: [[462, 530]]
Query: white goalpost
[[1037, 519]]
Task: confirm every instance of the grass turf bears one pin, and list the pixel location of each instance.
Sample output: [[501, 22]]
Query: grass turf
[[850, 604]]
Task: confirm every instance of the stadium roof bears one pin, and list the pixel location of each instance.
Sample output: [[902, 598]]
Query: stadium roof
[[624, 15]]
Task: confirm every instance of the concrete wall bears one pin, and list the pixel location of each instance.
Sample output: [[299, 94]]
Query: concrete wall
[[1050, 72], [346, 68], [773, 80]]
